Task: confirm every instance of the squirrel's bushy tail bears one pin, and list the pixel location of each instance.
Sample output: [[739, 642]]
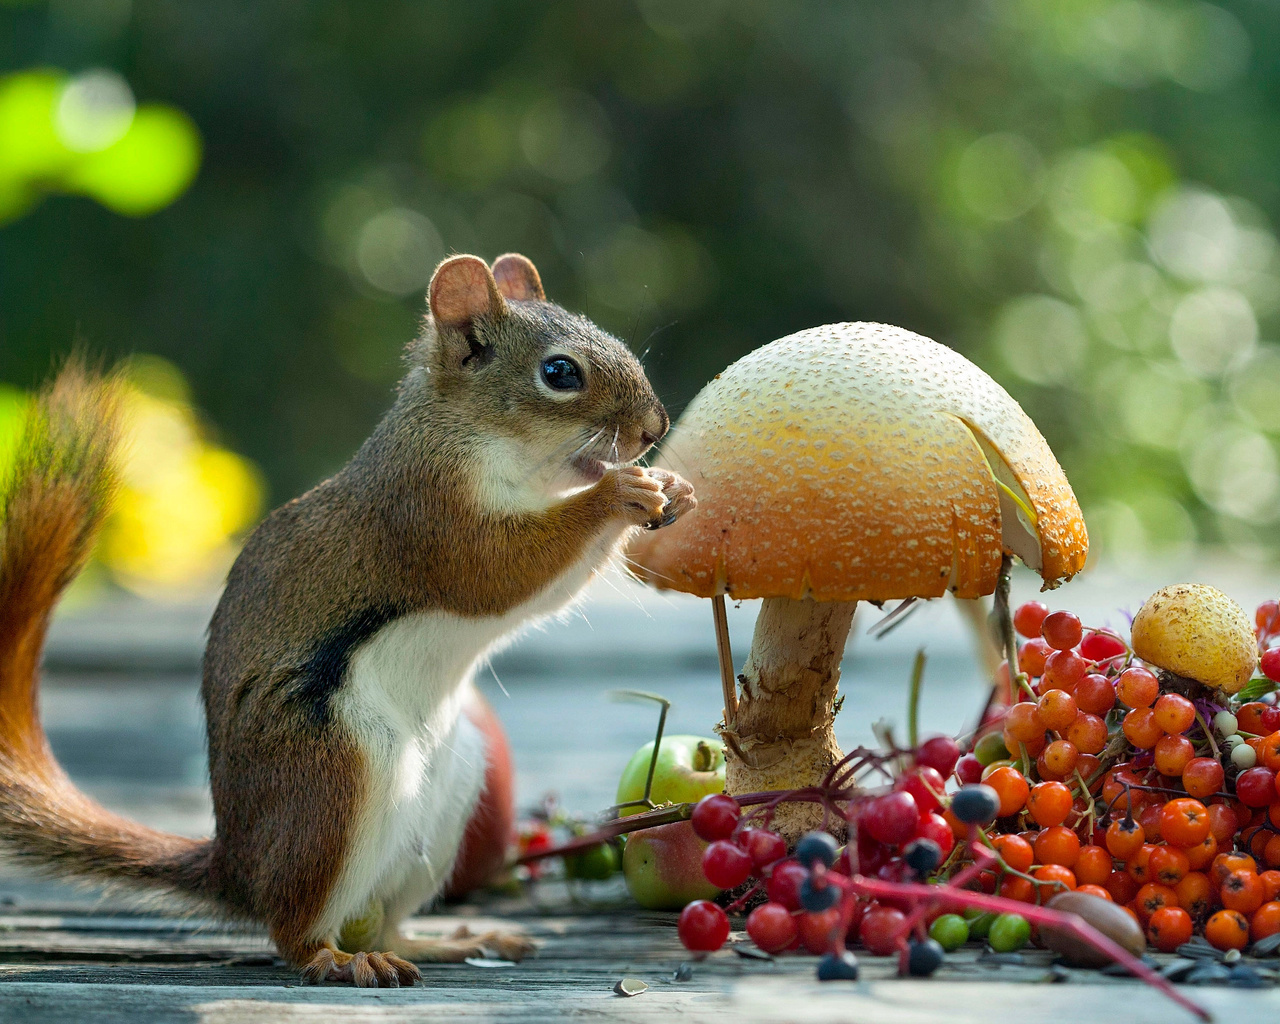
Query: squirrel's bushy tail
[[52, 503]]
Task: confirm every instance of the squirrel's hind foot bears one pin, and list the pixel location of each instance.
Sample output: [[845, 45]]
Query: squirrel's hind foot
[[464, 943], [364, 970]]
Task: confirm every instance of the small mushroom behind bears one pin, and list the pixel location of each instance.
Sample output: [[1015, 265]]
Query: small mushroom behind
[[851, 462], [1199, 633]]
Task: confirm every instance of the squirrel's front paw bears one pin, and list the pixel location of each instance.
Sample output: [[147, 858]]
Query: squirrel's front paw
[[679, 494], [637, 494]]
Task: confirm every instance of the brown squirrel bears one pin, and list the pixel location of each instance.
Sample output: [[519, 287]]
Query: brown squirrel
[[342, 770]]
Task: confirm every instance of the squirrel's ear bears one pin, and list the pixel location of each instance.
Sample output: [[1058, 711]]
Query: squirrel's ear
[[518, 278], [463, 289]]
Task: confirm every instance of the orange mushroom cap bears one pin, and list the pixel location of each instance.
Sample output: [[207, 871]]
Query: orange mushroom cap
[[860, 461]]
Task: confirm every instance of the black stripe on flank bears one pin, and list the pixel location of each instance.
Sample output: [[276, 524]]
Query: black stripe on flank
[[326, 669]]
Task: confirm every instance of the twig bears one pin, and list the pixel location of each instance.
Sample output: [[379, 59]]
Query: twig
[[724, 653], [913, 701]]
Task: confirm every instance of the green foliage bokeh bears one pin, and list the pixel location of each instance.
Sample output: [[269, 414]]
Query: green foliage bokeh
[[1080, 195]]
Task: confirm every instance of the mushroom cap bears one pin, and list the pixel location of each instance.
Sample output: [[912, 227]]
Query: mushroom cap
[[860, 461], [1197, 632]]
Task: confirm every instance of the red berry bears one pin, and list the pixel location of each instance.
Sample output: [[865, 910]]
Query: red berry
[[764, 846], [771, 927], [1061, 630], [1032, 655], [1095, 694], [784, 882], [725, 864], [1267, 617], [890, 818], [1271, 664], [819, 932], [969, 770], [1256, 787], [934, 826], [1063, 670], [880, 930], [939, 753], [703, 926], [926, 786], [1029, 618], [715, 816], [1100, 646], [1138, 687]]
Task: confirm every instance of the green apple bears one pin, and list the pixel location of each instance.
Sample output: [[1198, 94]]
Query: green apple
[[688, 768], [663, 867]]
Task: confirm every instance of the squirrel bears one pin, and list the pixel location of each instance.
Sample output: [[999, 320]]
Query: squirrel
[[338, 658]]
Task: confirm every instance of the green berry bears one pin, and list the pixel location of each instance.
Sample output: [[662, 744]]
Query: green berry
[[597, 862], [990, 748], [950, 931], [1009, 933], [980, 925]]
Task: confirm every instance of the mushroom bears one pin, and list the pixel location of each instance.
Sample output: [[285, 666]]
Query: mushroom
[[850, 462], [1199, 633]]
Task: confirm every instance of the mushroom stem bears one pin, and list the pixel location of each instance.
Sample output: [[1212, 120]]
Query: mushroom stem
[[782, 733]]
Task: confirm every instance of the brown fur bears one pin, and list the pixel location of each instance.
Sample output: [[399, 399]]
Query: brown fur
[[399, 530], [50, 511]]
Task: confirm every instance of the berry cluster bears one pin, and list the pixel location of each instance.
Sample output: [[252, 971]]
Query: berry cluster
[[1096, 723]]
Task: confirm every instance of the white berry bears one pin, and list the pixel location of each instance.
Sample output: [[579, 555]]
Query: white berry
[[1231, 742], [1244, 756], [1225, 723]]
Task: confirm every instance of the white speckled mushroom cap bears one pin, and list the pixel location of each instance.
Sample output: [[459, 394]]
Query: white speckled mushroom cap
[[859, 461]]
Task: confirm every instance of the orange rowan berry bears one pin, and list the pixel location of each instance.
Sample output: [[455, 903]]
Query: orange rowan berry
[[1167, 865], [1057, 845], [1137, 687], [1151, 897], [1266, 921], [1141, 729], [1201, 855], [1014, 851], [1195, 894], [1011, 787], [1125, 837], [1093, 865], [1168, 928], [1057, 710], [1227, 929], [1054, 878], [1088, 733], [1173, 754], [1014, 887], [1060, 758], [1138, 866], [1049, 803], [1174, 714], [1184, 822], [1242, 891]]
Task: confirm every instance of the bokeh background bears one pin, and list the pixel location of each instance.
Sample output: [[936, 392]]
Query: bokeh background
[[248, 199]]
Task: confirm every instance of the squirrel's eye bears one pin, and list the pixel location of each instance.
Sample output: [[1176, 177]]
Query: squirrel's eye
[[562, 374]]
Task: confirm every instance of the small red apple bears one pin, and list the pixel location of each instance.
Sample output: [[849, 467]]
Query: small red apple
[[663, 867], [491, 829]]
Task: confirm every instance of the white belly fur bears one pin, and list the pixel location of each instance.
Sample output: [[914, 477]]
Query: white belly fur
[[401, 703]]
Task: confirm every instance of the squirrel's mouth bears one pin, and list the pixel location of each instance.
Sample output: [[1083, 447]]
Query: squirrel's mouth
[[592, 469]]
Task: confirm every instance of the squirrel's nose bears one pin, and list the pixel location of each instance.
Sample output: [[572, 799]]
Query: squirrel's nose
[[654, 427]]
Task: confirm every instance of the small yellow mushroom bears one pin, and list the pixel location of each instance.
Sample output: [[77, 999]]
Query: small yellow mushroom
[[1199, 633]]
